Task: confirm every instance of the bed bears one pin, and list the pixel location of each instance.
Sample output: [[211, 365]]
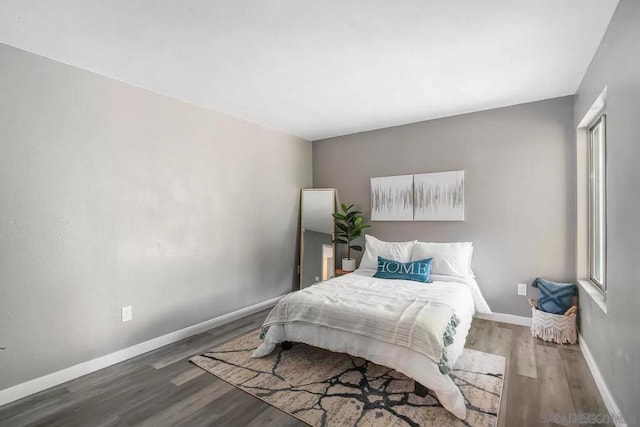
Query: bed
[[418, 329]]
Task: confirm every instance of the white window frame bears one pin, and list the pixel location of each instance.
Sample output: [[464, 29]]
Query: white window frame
[[597, 202]]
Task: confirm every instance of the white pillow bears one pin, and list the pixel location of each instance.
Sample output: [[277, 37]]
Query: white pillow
[[449, 259], [397, 251]]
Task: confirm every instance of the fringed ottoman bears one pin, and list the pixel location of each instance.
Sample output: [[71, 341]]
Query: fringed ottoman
[[558, 328]]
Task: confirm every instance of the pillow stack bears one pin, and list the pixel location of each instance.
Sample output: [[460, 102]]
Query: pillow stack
[[397, 251], [555, 298], [396, 258], [449, 259]]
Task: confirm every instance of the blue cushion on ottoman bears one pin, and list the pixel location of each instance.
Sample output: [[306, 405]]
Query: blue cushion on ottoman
[[555, 298]]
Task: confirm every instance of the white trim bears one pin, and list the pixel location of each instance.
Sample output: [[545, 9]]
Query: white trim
[[582, 188], [614, 412], [42, 383], [506, 318], [595, 111], [595, 293]]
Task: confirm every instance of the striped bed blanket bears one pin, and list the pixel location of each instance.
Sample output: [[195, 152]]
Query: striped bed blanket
[[405, 313]]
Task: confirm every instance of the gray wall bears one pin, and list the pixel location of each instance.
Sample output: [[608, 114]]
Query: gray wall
[[614, 338], [520, 188], [111, 195]]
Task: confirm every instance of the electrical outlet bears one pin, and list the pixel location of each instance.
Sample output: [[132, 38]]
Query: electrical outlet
[[317, 278], [522, 289], [127, 313]]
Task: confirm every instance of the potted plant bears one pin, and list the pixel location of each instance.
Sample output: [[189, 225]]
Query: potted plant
[[350, 226]]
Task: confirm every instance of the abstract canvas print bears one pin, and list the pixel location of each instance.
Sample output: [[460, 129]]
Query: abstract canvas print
[[439, 196], [392, 198]]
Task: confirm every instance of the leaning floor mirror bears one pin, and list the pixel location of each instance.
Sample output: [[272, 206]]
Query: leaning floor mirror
[[316, 235]]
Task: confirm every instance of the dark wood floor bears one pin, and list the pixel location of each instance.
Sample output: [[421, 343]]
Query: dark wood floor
[[162, 388]]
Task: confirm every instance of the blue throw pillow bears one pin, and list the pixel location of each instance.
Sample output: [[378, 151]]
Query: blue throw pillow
[[555, 298], [417, 271]]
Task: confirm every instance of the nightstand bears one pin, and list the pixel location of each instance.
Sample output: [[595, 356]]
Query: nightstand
[[341, 272]]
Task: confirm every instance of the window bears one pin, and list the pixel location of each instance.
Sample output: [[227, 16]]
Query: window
[[597, 204]]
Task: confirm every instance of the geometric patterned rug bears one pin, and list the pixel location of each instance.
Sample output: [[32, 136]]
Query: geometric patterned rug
[[322, 388]]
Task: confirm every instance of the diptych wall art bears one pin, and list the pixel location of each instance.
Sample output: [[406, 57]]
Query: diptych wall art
[[421, 197]]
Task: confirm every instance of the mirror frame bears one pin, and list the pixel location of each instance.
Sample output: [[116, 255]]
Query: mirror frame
[[333, 233]]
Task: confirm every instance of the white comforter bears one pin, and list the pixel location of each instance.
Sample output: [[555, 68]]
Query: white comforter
[[459, 295]]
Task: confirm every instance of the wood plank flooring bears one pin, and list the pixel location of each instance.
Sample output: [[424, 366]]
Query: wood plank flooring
[[161, 388]]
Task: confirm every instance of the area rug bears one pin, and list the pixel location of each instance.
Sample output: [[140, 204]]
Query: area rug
[[322, 388]]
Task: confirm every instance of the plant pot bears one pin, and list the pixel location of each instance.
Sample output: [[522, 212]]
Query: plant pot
[[348, 264]]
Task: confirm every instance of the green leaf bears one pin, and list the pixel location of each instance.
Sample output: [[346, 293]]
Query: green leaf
[[349, 225], [356, 247], [344, 242]]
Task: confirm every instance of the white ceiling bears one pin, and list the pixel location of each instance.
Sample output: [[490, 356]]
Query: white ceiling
[[323, 68]]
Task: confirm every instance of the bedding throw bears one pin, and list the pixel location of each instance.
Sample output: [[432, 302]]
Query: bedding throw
[[396, 313]]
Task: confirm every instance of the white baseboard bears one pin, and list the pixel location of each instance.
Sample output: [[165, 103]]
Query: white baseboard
[[614, 411], [42, 383], [506, 318]]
